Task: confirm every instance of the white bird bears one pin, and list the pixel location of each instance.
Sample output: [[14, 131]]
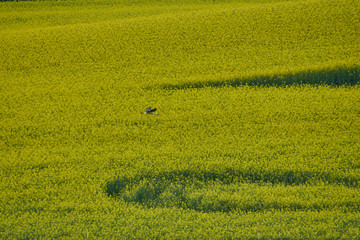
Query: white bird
[[150, 111]]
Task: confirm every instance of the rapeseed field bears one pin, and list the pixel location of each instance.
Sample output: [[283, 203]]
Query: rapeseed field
[[257, 134]]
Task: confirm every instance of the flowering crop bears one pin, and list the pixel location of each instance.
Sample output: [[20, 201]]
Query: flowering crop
[[257, 136]]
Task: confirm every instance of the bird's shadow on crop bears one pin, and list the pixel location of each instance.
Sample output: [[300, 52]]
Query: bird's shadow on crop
[[338, 76]]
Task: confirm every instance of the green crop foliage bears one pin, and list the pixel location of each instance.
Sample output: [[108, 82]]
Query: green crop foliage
[[257, 137]]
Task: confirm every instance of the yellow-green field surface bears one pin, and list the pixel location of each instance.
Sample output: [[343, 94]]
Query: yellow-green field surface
[[257, 134]]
